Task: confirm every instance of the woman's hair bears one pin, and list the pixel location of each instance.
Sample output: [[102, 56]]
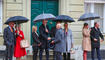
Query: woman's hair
[[85, 24], [17, 25], [34, 28], [65, 23]]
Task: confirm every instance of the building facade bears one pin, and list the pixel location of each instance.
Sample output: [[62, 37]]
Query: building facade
[[32, 8], [73, 8]]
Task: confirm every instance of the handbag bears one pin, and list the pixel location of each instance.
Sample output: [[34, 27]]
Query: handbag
[[24, 44]]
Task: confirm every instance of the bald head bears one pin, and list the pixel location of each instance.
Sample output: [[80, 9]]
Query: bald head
[[96, 24], [11, 24], [58, 26]]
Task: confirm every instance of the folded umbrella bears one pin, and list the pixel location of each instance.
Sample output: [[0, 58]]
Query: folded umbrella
[[88, 16], [17, 19]]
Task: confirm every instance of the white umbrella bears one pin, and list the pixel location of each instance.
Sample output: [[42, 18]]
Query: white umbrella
[[44, 17]]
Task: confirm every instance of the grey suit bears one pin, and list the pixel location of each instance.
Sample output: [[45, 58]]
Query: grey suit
[[59, 44], [9, 41]]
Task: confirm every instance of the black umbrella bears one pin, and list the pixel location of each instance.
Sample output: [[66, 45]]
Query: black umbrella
[[64, 18], [17, 19], [88, 16]]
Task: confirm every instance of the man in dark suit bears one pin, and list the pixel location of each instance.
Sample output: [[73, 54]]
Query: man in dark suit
[[9, 40], [95, 40], [44, 32]]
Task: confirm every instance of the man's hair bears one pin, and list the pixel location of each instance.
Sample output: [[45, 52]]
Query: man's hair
[[95, 23]]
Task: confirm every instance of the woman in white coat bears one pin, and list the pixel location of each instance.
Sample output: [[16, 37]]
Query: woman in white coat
[[68, 42]]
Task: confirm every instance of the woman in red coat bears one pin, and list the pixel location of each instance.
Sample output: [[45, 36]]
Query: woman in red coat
[[18, 51]]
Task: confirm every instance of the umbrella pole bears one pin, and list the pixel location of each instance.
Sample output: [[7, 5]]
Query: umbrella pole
[[17, 28]]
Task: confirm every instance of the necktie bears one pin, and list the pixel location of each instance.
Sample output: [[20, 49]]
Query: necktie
[[11, 29]]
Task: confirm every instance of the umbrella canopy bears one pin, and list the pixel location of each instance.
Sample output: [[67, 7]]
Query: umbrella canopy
[[44, 17], [17, 19], [88, 16], [64, 18]]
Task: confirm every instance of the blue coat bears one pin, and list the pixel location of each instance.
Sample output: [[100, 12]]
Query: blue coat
[[69, 40], [9, 37], [59, 41]]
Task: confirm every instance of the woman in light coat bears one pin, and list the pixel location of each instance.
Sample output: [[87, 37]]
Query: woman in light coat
[[86, 42], [68, 44]]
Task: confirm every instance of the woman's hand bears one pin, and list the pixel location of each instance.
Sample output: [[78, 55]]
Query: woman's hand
[[20, 35], [39, 44]]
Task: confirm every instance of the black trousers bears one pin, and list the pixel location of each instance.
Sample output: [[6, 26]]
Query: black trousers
[[98, 53], [9, 52], [58, 55], [66, 56], [41, 52], [35, 52]]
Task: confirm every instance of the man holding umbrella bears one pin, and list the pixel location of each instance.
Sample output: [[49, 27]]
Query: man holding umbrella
[[44, 31], [95, 33], [95, 40], [9, 34], [9, 40]]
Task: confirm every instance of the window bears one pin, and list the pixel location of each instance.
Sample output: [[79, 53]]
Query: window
[[0, 16], [97, 8]]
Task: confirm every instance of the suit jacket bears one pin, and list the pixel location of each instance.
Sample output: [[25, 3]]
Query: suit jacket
[[53, 31], [9, 37], [96, 34], [43, 36], [86, 42], [59, 41]]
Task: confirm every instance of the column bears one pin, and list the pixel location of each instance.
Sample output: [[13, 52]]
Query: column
[[104, 19], [92, 11], [0, 16]]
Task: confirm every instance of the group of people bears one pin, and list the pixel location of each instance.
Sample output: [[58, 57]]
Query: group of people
[[91, 40], [62, 40], [12, 38]]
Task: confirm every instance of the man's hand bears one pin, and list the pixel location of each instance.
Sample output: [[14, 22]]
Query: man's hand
[[95, 39], [39, 44], [47, 30], [52, 42], [102, 40], [49, 38]]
